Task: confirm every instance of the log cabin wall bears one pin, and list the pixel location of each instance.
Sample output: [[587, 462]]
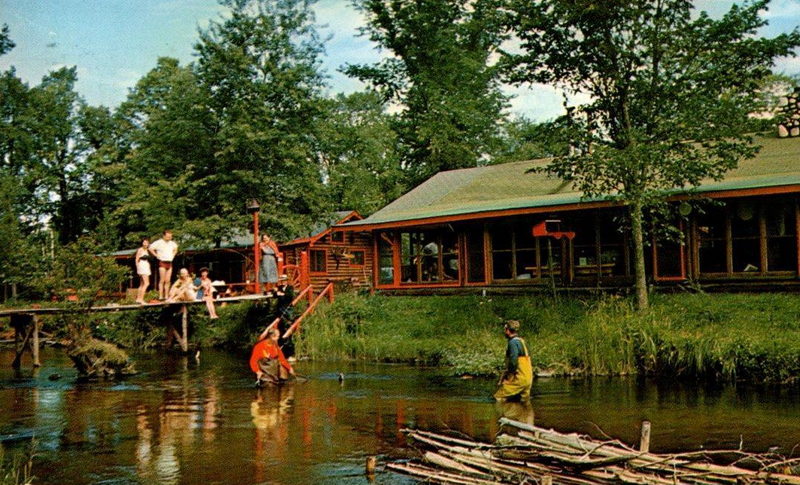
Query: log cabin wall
[[344, 258]]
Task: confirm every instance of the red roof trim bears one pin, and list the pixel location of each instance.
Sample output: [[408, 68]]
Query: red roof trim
[[310, 240]]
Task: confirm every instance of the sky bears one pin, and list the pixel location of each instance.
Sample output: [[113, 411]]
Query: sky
[[114, 43]]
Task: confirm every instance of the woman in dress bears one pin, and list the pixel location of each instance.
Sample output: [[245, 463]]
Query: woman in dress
[[268, 272], [143, 270]]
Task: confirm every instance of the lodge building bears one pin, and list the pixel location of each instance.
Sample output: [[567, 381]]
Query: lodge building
[[475, 228]]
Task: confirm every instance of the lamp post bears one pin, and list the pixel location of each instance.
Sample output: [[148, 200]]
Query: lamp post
[[253, 208]]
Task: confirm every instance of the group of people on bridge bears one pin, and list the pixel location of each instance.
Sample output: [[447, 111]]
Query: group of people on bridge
[[185, 288]]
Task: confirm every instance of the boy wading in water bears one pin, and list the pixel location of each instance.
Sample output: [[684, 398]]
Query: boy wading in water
[[268, 362], [516, 381]]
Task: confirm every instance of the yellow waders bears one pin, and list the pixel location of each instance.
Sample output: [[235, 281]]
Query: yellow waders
[[520, 383]]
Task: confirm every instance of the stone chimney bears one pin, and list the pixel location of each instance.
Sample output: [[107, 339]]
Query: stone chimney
[[790, 113]]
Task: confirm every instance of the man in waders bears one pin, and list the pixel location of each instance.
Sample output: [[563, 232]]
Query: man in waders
[[268, 362], [517, 379]]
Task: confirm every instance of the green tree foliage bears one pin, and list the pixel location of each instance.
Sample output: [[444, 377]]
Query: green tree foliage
[[165, 142], [258, 69], [523, 139], [357, 153], [440, 73], [671, 92], [6, 44], [19, 248]]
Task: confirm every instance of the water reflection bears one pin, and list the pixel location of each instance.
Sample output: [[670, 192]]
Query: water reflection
[[181, 421], [518, 411]]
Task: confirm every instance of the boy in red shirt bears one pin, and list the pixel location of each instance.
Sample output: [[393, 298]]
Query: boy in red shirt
[[268, 362]]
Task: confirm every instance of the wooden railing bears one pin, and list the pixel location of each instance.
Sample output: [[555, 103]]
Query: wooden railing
[[277, 320], [328, 291]]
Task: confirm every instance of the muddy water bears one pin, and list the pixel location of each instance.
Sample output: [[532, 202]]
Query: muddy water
[[201, 422]]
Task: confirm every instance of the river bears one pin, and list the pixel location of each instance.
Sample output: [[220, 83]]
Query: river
[[187, 421]]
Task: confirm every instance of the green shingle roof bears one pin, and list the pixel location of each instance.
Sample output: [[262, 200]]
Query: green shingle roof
[[512, 186]]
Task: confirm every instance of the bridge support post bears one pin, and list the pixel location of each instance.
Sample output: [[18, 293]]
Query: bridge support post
[[26, 336], [184, 340], [35, 349]]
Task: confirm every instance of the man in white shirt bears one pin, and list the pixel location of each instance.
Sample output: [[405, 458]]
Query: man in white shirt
[[164, 250]]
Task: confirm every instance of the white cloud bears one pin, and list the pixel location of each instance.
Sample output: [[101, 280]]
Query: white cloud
[[125, 78], [783, 9]]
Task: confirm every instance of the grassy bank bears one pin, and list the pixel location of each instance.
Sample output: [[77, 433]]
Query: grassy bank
[[720, 336]]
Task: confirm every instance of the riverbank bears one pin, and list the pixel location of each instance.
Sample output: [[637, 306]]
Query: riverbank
[[714, 336]]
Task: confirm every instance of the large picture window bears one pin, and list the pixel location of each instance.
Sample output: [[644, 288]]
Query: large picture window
[[748, 236], [429, 257], [517, 255]]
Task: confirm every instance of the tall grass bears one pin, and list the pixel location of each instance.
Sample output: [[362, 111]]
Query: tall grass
[[18, 468], [742, 336]]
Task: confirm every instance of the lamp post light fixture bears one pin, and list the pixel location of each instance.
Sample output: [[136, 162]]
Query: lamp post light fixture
[[253, 207]]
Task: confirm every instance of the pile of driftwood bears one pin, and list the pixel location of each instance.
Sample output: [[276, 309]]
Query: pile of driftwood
[[525, 454]]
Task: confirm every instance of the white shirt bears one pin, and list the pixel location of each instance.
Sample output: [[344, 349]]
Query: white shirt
[[164, 250]]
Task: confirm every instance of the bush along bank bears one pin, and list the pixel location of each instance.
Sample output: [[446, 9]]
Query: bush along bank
[[720, 337]]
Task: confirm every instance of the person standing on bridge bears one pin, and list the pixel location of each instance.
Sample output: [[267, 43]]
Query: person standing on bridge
[[268, 272], [165, 250], [268, 361], [517, 379], [143, 270]]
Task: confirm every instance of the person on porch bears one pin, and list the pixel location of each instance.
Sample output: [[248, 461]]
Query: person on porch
[[268, 271]]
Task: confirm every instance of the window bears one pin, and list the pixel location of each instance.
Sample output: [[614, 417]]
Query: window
[[711, 232], [318, 261], [585, 244], [781, 229], [516, 253], [337, 236], [745, 237], [749, 236], [385, 258], [612, 245], [429, 257], [358, 258], [475, 264]]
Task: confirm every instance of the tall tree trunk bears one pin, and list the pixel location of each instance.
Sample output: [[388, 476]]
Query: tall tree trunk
[[638, 256]]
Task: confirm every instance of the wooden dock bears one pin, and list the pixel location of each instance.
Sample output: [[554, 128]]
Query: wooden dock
[[112, 307], [27, 325]]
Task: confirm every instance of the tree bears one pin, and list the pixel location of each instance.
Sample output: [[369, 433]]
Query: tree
[[523, 139], [164, 138], [356, 151], [671, 91], [259, 70], [6, 44], [440, 74], [58, 167]]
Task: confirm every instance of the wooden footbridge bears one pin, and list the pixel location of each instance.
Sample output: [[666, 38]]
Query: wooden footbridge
[[27, 325]]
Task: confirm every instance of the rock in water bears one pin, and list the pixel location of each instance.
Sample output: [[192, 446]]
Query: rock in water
[[95, 358]]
